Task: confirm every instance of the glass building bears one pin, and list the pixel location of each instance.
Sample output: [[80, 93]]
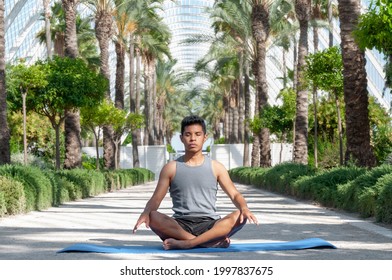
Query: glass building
[[23, 20], [186, 18]]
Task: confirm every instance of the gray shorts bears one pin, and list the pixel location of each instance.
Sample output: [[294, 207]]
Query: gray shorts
[[196, 225]]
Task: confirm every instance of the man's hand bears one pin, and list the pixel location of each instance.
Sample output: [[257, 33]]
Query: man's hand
[[143, 219], [246, 214]]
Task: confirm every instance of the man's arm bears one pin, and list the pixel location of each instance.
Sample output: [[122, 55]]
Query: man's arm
[[236, 197], [159, 194]]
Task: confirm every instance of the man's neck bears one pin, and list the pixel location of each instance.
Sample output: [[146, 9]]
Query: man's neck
[[194, 159]]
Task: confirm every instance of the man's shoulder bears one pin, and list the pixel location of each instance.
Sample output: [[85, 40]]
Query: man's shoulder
[[170, 164], [168, 171]]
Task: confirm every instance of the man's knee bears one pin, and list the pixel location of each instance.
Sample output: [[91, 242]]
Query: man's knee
[[155, 217]]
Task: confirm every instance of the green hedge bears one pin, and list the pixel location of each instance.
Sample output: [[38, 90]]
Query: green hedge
[[12, 197], [37, 187], [323, 186], [3, 208], [280, 178], [384, 200], [244, 175], [366, 191], [86, 182], [27, 188], [350, 192], [121, 178]]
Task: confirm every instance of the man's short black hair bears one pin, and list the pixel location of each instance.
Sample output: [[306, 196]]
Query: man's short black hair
[[189, 120]]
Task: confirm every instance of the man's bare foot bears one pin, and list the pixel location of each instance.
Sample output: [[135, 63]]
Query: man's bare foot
[[221, 243], [171, 243]]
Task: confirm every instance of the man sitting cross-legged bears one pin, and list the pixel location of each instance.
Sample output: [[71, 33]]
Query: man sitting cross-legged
[[192, 181]]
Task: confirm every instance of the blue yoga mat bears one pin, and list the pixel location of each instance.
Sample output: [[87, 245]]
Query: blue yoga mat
[[311, 243]]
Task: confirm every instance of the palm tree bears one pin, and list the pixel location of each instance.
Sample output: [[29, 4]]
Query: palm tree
[[104, 29], [261, 32], [73, 145], [233, 18], [47, 28], [85, 35], [154, 45], [5, 154], [170, 84], [356, 100], [302, 10], [321, 10]]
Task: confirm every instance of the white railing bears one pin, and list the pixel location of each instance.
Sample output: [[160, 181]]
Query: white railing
[[230, 155]]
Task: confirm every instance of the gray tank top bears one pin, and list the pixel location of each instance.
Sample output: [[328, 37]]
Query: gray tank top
[[193, 189]]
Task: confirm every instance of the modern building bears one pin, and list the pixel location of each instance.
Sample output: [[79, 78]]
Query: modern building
[[185, 18]]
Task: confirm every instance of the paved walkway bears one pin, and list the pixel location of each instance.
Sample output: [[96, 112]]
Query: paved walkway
[[108, 219]]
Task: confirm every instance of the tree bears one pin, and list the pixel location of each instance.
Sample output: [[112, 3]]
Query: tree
[[302, 10], [86, 40], [154, 46], [93, 119], [261, 30], [22, 79], [5, 155], [48, 38], [356, 98], [104, 28], [381, 130], [123, 123], [70, 84], [73, 145], [278, 118], [374, 30], [324, 71], [232, 24]]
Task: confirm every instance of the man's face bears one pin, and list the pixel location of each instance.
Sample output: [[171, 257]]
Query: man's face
[[193, 137]]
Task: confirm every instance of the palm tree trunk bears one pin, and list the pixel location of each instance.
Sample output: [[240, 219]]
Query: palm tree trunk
[[24, 94], [355, 88], [120, 75], [226, 118], [235, 96], [330, 23], [241, 102], [5, 153], [132, 98], [137, 97], [48, 37], [73, 144], [302, 9], [247, 115], [103, 32], [149, 103], [57, 131], [340, 130], [314, 92], [260, 30], [119, 93]]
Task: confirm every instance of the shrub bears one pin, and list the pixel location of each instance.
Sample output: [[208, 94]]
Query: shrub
[[348, 193], [66, 190], [3, 208], [121, 178], [86, 182], [12, 198], [241, 174], [143, 175], [281, 177], [37, 187], [322, 187], [384, 201], [369, 196]]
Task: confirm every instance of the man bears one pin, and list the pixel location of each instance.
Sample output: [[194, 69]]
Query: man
[[192, 182]]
